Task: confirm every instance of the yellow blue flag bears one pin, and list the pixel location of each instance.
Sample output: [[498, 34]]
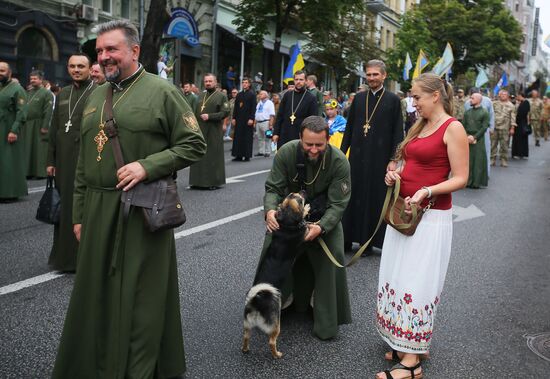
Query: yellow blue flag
[[446, 61], [421, 63], [407, 67], [296, 63]]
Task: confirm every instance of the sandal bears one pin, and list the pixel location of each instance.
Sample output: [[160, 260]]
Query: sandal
[[395, 356], [400, 366]]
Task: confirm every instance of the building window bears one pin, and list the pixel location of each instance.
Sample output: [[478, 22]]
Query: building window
[[88, 2], [388, 39], [517, 6], [33, 43], [125, 8], [106, 6]]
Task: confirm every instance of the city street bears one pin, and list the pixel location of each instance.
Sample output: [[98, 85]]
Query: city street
[[496, 295]]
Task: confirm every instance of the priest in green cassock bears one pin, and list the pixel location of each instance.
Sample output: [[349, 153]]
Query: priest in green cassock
[[12, 150], [476, 122], [315, 281], [124, 317], [39, 115], [64, 142], [212, 107]]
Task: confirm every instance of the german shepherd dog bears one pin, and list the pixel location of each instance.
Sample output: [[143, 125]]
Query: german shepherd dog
[[263, 301]]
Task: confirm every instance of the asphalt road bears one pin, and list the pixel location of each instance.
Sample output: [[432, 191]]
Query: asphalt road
[[497, 289]]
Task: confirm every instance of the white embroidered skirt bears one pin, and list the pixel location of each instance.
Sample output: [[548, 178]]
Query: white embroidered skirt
[[412, 273]]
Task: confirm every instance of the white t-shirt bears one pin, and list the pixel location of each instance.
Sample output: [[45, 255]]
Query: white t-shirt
[[161, 69]]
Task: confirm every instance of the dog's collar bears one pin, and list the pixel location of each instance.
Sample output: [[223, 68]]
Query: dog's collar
[[302, 224]]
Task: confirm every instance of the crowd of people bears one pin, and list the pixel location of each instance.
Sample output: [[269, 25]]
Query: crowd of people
[[124, 313]]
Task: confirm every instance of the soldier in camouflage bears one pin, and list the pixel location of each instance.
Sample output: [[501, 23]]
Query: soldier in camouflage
[[505, 123], [546, 117], [459, 102], [535, 115]]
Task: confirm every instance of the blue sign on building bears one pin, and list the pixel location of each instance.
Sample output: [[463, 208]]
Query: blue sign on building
[[183, 25]]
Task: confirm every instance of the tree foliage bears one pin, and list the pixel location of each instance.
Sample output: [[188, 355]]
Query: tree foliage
[[157, 17], [481, 33], [255, 17], [348, 43]]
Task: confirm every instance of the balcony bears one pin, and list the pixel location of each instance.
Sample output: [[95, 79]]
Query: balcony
[[377, 6]]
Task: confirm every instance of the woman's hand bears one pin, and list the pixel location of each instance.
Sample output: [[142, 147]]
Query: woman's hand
[[415, 200], [391, 177]]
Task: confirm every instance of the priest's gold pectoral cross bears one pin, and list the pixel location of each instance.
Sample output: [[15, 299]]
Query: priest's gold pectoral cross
[[366, 128], [202, 108], [100, 140], [68, 124], [292, 118]]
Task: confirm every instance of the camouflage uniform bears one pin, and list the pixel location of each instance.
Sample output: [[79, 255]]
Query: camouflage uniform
[[546, 118], [535, 115], [505, 119], [458, 105]]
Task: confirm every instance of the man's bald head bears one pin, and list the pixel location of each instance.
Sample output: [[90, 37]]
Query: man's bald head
[[475, 99]]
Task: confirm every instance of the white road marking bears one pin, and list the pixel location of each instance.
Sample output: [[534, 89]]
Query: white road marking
[[29, 282], [197, 229], [233, 179], [463, 214]]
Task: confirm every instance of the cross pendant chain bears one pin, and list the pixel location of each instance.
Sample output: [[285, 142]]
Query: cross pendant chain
[[100, 139], [366, 128], [292, 118], [68, 124]]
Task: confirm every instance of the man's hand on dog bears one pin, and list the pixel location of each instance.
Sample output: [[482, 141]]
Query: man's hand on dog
[[313, 231], [270, 221]]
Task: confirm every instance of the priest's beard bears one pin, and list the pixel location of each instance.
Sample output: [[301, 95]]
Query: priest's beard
[[3, 79], [313, 160], [112, 76]]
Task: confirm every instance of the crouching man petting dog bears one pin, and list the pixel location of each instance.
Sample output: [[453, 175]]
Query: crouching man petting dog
[[325, 177]]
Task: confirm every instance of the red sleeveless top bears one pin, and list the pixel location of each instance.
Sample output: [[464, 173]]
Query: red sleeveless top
[[427, 164]]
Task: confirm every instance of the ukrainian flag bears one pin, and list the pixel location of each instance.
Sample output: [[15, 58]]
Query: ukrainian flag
[[446, 61], [296, 63], [421, 63], [407, 68]]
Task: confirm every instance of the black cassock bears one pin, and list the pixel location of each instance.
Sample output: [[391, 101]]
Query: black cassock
[[244, 110], [520, 144], [369, 157], [284, 127]]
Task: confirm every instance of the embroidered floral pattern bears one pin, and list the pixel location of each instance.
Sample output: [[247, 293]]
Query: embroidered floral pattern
[[403, 322]]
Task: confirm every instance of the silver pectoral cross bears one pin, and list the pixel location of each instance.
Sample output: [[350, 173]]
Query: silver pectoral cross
[[68, 124]]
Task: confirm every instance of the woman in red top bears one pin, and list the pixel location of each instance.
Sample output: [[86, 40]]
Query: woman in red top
[[434, 163]]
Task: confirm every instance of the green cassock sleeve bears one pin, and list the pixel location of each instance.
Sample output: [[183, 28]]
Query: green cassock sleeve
[[276, 184], [47, 110], [20, 99], [187, 143], [338, 195]]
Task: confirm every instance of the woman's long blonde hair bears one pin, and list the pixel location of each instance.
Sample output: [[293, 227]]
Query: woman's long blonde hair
[[428, 83]]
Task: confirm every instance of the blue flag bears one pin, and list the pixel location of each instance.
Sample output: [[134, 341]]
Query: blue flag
[[482, 77], [503, 82], [446, 61]]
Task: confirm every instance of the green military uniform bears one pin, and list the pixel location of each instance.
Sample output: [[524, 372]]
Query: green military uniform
[[124, 319], [39, 115], [505, 119], [319, 96], [458, 105], [476, 122], [191, 100], [63, 150], [13, 113], [545, 119], [210, 170], [313, 272], [535, 116]]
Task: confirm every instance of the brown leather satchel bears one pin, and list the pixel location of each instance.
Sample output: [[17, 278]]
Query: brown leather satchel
[[159, 200], [395, 215]]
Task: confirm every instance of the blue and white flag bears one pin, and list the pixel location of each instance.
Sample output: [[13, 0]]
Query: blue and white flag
[[407, 67], [482, 77], [503, 82], [446, 61]]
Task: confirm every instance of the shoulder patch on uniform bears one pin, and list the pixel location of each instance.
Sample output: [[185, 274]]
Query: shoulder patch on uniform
[[88, 111], [190, 121], [345, 187]]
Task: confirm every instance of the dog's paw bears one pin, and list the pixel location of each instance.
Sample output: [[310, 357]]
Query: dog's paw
[[277, 354], [245, 350], [307, 207]]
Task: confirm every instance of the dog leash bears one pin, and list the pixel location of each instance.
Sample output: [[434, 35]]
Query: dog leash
[[355, 258]]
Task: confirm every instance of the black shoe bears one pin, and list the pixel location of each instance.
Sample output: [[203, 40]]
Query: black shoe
[[247, 159], [266, 155], [237, 159], [368, 251], [537, 143], [258, 155], [213, 188]]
